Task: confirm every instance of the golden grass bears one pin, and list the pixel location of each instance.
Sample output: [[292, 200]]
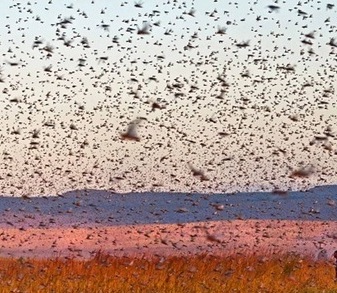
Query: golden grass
[[202, 273]]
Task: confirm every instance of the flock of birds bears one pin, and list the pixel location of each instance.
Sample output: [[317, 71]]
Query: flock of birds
[[174, 96]]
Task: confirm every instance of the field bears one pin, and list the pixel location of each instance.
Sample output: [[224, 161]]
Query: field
[[199, 273]]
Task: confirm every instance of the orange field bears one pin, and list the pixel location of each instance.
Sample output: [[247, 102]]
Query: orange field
[[201, 273]]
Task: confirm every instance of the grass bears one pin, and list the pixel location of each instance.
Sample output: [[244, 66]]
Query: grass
[[202, 273]]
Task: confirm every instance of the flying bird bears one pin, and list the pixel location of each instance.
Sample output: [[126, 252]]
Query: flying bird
[[131, 132]]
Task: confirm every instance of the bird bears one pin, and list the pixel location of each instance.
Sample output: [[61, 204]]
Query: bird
[[131, 132], [273, 7], [198, 173]]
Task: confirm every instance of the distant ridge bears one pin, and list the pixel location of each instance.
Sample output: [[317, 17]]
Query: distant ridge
[[101, 207]]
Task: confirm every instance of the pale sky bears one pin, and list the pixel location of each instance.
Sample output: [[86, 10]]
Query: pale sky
[[101, 75]]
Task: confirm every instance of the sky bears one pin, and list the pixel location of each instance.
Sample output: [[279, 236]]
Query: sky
[[207, 114]]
